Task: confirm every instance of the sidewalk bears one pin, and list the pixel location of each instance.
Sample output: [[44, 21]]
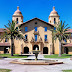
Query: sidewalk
[[4, 63]]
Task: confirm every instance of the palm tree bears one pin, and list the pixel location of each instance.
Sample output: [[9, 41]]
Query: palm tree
[[60, 33], [11, 32]]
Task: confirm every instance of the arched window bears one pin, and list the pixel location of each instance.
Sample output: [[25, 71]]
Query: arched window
[[45, 37], [26, 29], [26, 38], [17, 20], [54, 28], [6, 40], [35, 22], [65, 40], [16, 27], [45, 29], [35, 37], [36, 29], [54, 20]]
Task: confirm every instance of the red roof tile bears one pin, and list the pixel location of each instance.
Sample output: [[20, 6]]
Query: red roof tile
[[1, 30], [69, 31], [4, 44], [54, 12], [68, 45]]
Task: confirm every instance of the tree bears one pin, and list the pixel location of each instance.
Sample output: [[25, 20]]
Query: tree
[[60, 33], [11, 32]]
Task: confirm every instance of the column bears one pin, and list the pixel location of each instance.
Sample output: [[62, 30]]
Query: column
[[21, 49], [31, 48], [50, 49], [39, 48]]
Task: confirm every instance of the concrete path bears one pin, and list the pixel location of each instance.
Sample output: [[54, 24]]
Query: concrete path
[[4, 63]]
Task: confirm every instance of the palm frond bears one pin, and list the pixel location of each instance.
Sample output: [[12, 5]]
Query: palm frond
[[60, 31]]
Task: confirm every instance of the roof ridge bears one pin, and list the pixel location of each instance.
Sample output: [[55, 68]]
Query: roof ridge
[[38, 19]]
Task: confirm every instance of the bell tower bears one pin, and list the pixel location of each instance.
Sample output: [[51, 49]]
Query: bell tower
[[17, 16], [54, 17]]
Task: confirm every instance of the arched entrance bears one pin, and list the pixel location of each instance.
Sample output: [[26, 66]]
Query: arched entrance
[[35, 46], [5, 50], [66, 50], [45, 50], [26, 50]]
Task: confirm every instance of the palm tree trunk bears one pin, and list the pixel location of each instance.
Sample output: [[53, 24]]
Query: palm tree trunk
[[59, 48], [12, 44]]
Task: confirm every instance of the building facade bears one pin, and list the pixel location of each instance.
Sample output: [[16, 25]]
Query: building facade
[[37, 34]]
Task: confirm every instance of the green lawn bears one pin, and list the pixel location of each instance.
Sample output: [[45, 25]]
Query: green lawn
[[46, 56], [67, 70], [15, 56], [5, 70], [56, 56]]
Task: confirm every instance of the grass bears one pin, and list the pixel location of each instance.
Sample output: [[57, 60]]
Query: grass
[[46, 56], [56, 56], [67, 70], [5, 70], [15, 56]]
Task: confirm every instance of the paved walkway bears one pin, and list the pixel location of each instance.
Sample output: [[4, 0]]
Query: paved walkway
[[4, 63]]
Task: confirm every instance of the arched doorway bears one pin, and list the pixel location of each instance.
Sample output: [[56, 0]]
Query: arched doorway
[[66, 50], [6, 50], [54, 20], [26, 50], [35, 46], [45, 50]]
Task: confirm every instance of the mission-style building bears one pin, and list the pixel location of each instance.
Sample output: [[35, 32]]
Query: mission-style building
[[37, 34]]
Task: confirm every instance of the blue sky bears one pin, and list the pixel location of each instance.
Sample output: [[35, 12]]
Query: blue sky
[[35, 8]]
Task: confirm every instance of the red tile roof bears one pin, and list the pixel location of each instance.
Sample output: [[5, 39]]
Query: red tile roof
[[1, 29], [54, 12], [69, 31], [68, 45], [4, 44]]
